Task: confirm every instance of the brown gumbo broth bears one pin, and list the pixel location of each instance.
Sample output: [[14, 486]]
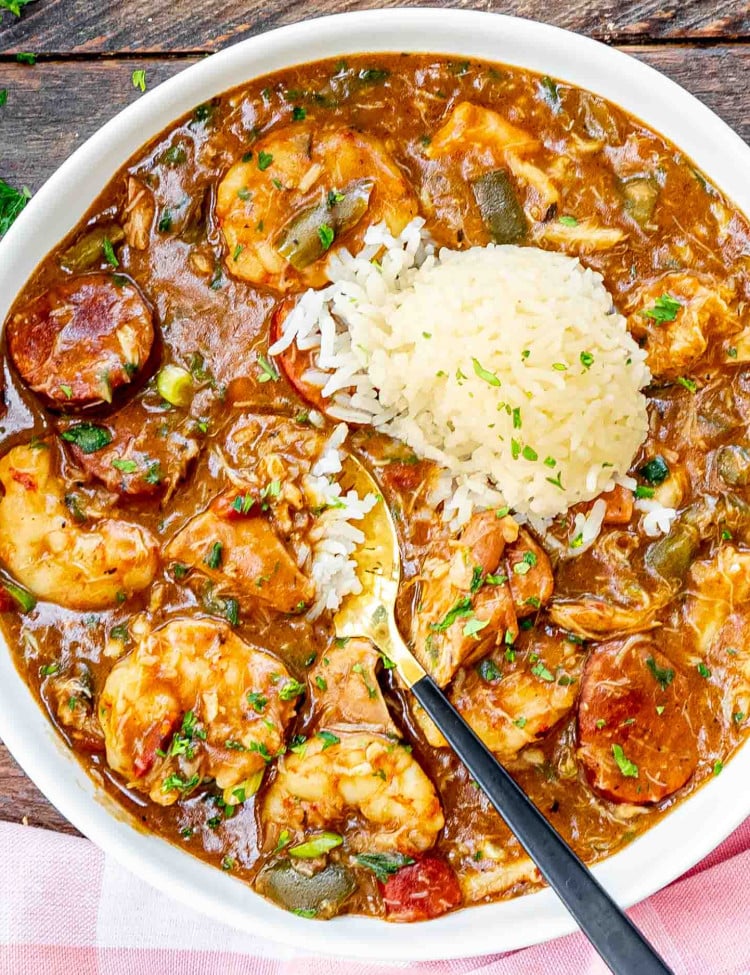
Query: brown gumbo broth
[[154, 533]]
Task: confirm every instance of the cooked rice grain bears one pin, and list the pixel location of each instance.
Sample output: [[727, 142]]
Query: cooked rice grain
[[506, 365]]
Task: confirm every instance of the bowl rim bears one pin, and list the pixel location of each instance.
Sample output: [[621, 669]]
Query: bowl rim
[[668, 849]]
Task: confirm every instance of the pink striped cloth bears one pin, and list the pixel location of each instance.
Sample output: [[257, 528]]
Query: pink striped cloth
[[65, 909]]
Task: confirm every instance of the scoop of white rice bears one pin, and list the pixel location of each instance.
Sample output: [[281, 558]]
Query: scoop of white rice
[[507, 365]]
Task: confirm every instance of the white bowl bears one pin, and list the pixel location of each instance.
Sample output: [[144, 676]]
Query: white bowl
[[647, 864]]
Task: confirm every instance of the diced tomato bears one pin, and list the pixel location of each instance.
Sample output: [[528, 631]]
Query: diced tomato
[[619, 502], [423, 890], [155, 738], [24, 479], [406, 476], [228, 506], [293, 362]]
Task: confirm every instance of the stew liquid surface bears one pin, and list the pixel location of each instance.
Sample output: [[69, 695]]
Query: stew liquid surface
[[156, 521]]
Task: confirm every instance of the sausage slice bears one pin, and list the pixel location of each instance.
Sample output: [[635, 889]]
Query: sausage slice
[[82, 339], [635, 743]]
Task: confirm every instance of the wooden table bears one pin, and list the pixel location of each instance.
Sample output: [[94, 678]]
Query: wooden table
[[87, 50]]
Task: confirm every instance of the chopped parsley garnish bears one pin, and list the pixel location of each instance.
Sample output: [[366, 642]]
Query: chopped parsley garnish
[[492, 579], [243, 503], [489, 671], [109, 253], [25, 57], [299, 114], [477, 579], [175, 783], [567, 221], [264, 160], [88, 437], [461, 609], [689, 384], [655, 471], [642, 491], [14, 6], [257, 701], [291, 689], [557, 481], [326, 235], [474, 626], [268, 371], [485, 374], [528, 453], [214, 556], [383, 865], [703, 670], [126, 466], [550, 92], [328, 739], [663, 310], [540, 671], [587, 360], [520, 722], [139, 79], [664, 675], [527, 563], [49, 670], [629, 769], [234, 746], [718, 766], [12, 201], [3, 96]]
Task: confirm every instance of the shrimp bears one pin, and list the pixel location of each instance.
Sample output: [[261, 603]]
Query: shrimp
[[302, 194], [677, 336], [495, 575], [194, 701], [514, 698], [76, 566], [356, 763], [337, 773]]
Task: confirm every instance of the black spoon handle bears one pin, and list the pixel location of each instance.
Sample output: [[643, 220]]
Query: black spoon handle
[[618, 941]]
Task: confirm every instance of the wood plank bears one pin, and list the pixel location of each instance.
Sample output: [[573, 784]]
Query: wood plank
[[54, 106], [94, 26], [21, 801]]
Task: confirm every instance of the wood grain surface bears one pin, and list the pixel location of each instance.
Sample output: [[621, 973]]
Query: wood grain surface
[[84, 27], [88, 50]]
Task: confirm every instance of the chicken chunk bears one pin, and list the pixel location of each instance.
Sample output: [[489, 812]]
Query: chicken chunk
[[193, 702], [245, 558], [676, 317], [716, 588], [91, 566], [139, 213], [140, 451]]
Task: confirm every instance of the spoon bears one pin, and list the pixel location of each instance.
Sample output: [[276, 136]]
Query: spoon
[[370, 614]]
